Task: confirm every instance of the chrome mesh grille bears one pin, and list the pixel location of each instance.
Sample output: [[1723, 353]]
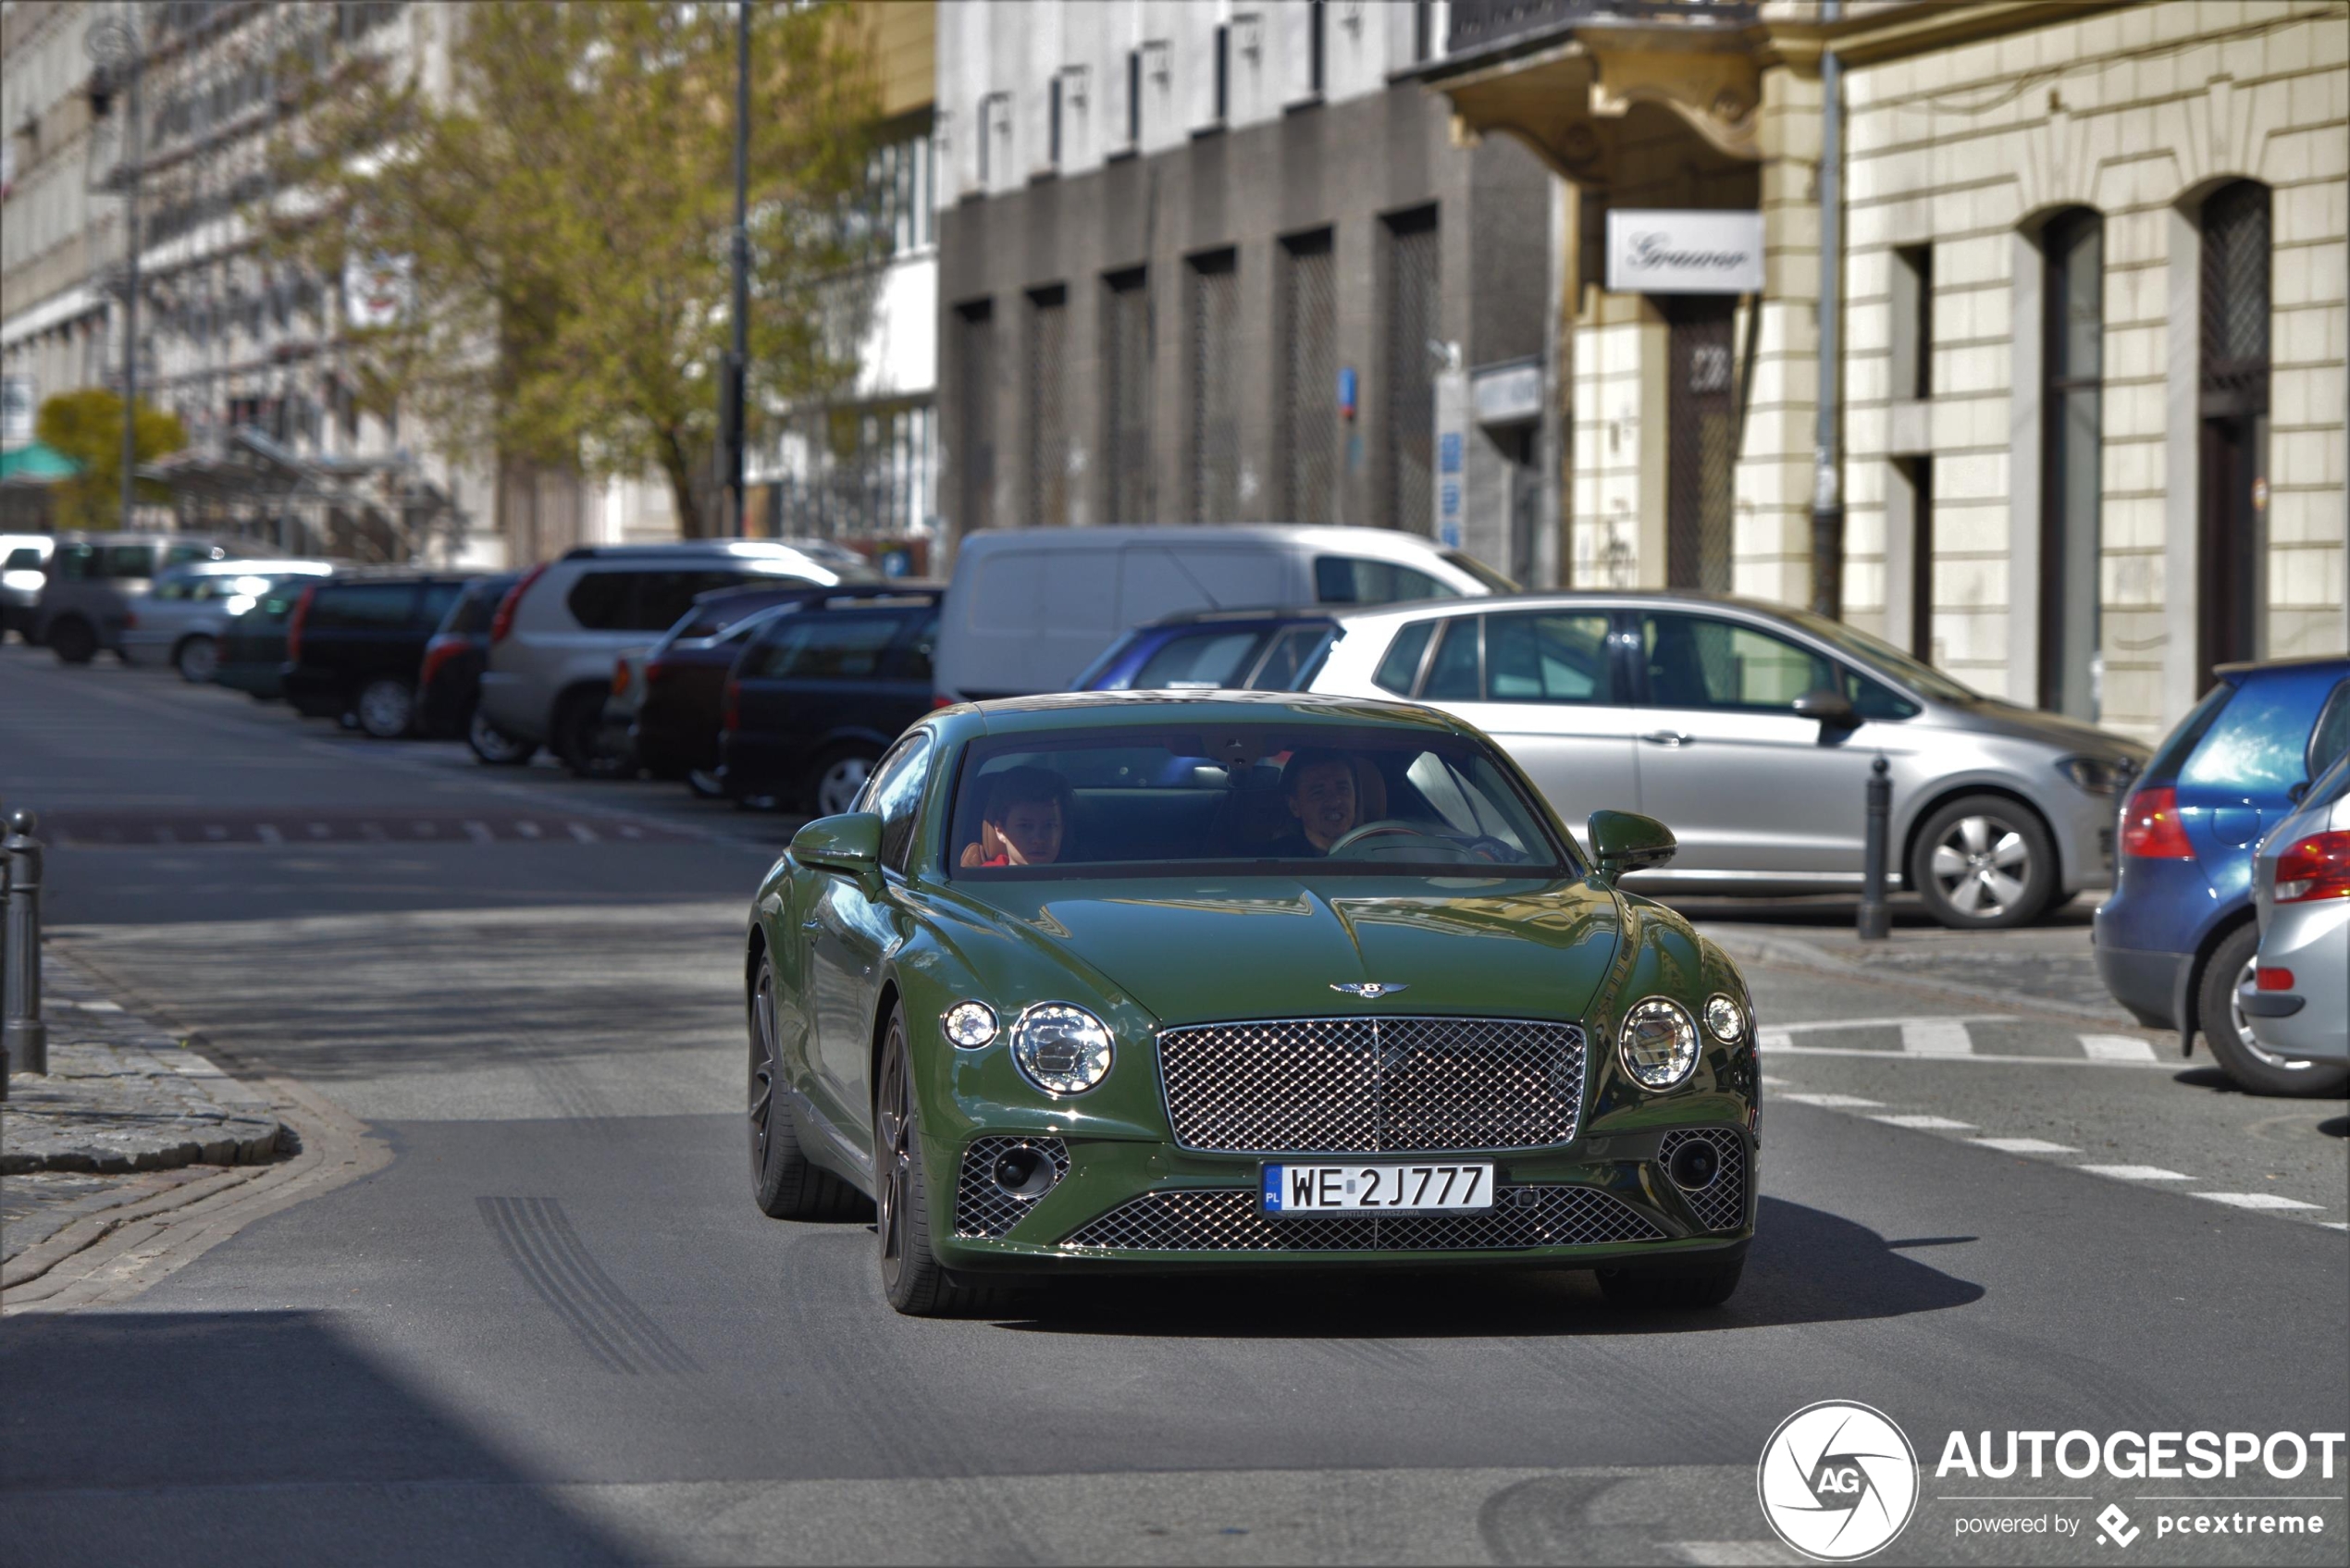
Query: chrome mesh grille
[[1372, 1085], [1720, 1204], [1227, 1220], [982, 1208]]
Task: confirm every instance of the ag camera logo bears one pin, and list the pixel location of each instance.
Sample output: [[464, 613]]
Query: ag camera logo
[[1837, 1481]]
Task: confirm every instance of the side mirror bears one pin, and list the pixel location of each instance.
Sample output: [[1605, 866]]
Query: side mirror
[[1832, 709], [2299, 793], [848, 844], [1625, 841]]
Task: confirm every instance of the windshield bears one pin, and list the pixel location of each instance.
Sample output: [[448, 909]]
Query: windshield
[[1244, 799], [1906, 667]]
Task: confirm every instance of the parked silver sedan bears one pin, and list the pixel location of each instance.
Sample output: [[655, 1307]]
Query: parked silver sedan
[[179, 619], [2296, 999], [1751, 728]]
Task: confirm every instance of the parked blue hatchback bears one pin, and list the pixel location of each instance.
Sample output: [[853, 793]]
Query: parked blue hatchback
[[1208, 649], [2177, 936]]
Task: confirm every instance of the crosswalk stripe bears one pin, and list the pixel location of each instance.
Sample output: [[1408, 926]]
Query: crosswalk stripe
[[1832, 1102], [479, 833], [582, 832], [268, 832], [2023, 1145], [2115, 1048], [1936, 1037], [2136, 1172], [1941, 1124], [2255, 1201]]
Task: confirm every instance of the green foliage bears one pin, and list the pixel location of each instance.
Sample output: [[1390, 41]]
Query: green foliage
[[568, 202], [87, 426]]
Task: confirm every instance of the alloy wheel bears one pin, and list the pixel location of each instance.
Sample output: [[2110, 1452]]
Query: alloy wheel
[[894, 1158], [199, 659], [385, 709], [836, 789], [2243, 1026], [763, 1070], [1983, 866]]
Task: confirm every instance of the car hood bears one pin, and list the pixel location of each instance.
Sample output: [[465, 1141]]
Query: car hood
[[1274, 947], [2000, 718]]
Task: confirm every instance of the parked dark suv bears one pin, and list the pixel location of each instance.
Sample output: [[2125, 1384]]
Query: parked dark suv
[[448, 684], [354, 648], [821, 692]]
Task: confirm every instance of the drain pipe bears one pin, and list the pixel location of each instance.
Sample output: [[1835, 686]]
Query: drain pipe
[[1827, 498]]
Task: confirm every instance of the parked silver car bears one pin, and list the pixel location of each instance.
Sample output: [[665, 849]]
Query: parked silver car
[[2296, 999], [178, 621], [1749, 729], [92, 578]]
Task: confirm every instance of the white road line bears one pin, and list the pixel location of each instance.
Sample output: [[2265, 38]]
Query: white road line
[[1936, 1037], [2255, 1201], [1832, 1102], [1930, 1123], [1770, 1082], [582, 832], [2135, 1172], [1773, 1039], [2115, 1048], [527, 830], [268, 832], [1987, 1057], [479, 833], [1891, 1023], [2335, 1224], [2023, 1145]]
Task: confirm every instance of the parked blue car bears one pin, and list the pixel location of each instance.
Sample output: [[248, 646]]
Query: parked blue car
[[2177, 936], [1208, 650]]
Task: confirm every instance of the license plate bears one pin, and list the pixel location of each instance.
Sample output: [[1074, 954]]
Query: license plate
[[1448, 1185]]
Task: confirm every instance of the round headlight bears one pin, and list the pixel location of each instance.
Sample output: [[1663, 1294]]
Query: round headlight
[[968, 1025], [1658, 1043], [1063, 1050], [1724, 1018]]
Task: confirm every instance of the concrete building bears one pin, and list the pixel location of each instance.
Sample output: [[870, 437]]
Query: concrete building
[[1224, 261], [2084, 306]]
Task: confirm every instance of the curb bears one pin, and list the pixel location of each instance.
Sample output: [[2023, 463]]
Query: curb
[[1790, 952]]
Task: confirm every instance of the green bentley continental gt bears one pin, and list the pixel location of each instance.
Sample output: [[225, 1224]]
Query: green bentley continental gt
[[1165, 980]]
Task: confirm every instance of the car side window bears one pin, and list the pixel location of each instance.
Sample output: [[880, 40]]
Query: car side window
[[1198, 659], [1456, 674], [1292, 659], [1345, 579], [361, 607], [1402, 666], [1549, 658], [174, 588], [2332, 737], [2258, 742], [130, 560], [914, 663], [1698, 661], [894, 792], [827, 646]]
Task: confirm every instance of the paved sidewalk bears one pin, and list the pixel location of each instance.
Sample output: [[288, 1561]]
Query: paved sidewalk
[[125, 1114]]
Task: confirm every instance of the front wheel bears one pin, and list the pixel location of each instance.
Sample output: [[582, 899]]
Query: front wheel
[[915, 1281], [386, 708], [198, 661], [2249, 1065], [493, 746], [73, 640], [1680, 1289], [783, 1182], [1983, 863]]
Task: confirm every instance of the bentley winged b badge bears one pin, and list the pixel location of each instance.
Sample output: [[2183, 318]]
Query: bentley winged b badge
[[1368, 990]]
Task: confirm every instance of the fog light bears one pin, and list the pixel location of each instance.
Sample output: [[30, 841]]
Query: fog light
[[1694, 1164], [1724, 1018], [1024, 1172], [968, 1025]]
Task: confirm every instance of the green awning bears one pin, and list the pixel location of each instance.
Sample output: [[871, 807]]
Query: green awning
[[36, 465]]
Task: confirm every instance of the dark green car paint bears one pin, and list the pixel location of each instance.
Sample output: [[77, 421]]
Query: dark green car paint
[[850, 940]]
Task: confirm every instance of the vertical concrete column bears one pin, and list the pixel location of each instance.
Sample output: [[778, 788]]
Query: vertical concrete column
[[1772, 516]]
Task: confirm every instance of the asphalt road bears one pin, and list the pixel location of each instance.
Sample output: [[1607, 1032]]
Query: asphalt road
[[554, 1330]]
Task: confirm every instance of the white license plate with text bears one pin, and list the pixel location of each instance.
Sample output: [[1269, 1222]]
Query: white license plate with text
[[1444, 1185]]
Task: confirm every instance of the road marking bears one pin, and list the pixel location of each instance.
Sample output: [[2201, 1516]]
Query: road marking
[[1987, 1057], [2115, 1048], [479, 833], [1903, 1024], [2023, 1145], [582, 832], [527, 830], [2135, 1172], [268, 832], [1936, 1037], [1937, 1123], [217, 834], [2335, 1224], [1770, 1082], [2255, 1201], [1773, 1039], [1832, 1102]]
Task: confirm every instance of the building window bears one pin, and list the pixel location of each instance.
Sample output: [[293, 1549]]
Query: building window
[[1700, 458], [1134, 97], [1414, 326], [1126, 417], [1318, 46], [975, 421], [1917, 473], [1913, 341], [2073, 362], [1309, 376], [1047, 407], [1223, 73], [995, 126], [2232, 400], [1053, 123], [1214, 310]]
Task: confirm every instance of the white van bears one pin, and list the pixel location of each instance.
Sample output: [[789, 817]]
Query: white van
[[1029, 607]]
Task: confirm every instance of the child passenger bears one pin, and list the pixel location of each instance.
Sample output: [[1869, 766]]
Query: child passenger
[[1025, 819]]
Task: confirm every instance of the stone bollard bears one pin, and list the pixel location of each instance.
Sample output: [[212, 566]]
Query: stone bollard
[[23, 1036]]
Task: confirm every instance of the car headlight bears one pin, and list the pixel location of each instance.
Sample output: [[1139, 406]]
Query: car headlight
[[968, 1025], [1725, 1019], [1062, 1049], [2099, 775], [1658, 1043]]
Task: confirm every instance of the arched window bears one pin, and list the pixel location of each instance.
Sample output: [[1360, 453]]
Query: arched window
[[2233, 400], [2072, 366]]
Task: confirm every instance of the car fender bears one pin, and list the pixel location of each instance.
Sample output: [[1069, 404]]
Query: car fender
[[1661, 953], [2217, 928]]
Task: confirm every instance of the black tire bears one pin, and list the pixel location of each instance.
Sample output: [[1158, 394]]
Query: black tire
[[73, 640], [386, 708], [493, 747], [834, 778], [783, 1182], [915, 1281], [197, 659], [1966, 862], [1680, 1289], [2249, 1066]]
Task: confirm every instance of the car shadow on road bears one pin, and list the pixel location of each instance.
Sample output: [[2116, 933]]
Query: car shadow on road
[[1806, 1265]]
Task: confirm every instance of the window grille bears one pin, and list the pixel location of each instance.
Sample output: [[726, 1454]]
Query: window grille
[[1126, 445], [1214, 388], [1699, 459], [1047, 408], [1413, 327], [1309, 376]]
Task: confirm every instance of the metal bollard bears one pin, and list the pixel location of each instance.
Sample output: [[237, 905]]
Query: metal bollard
[[1876, 920], [23, 1034]]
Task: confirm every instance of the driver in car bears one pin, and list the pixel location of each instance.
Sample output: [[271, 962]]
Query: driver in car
[[1024, 821], [1318, 785]]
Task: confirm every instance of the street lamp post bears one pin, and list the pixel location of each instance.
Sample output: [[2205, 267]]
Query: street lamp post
[[731, 397], [116, 43]]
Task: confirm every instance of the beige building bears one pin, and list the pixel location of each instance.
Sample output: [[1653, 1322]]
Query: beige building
[[2086, 415]]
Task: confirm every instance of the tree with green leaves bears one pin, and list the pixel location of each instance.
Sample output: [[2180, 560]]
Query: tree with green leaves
[[87, 426], [561, 217]]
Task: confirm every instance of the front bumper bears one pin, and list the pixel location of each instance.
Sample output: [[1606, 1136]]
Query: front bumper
[[1115, 1204]]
